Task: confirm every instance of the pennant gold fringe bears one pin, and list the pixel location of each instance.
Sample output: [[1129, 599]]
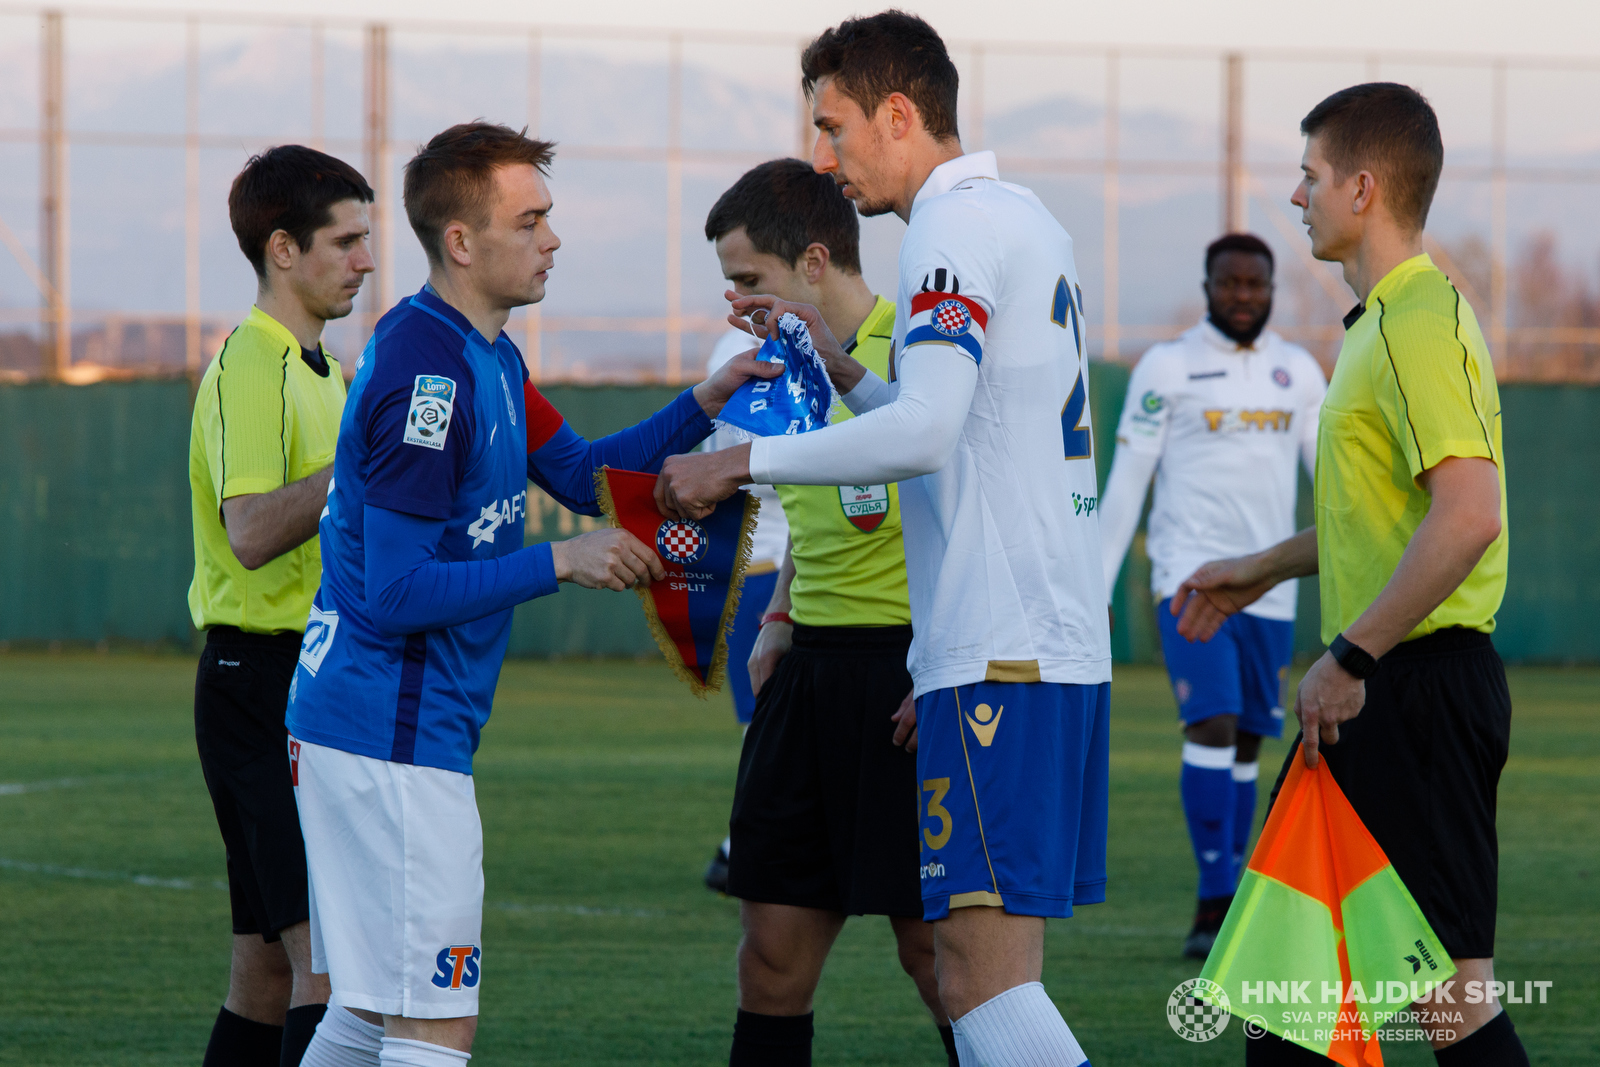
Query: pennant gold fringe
[[669, 648]]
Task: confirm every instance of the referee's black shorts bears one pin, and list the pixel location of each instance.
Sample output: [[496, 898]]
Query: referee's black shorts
[[825, 811], [240, 694], [1421, 766]]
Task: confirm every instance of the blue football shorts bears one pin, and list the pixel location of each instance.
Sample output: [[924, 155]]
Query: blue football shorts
[[1243, 670], [753, 603], [1014, 780]]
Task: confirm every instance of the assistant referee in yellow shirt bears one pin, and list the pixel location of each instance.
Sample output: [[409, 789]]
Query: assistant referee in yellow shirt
[[260, 457], [1409, 705]]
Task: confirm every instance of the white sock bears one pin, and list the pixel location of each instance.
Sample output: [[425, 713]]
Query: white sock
[[1019, 1028], [342, 1040], [402, 1052], [727, 845]]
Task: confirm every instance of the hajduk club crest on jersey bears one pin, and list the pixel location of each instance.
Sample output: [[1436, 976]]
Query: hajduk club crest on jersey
[[691, 609], [941, 315]]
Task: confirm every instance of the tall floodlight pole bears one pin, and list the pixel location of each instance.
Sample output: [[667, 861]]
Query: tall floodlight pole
[[1235, 206], [53, 228], [376, 143]]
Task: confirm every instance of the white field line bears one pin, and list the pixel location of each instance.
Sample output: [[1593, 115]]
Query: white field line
[[147, 880], [152, 882]]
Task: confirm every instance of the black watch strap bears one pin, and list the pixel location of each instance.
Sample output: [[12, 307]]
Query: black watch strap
[[1353, 658]]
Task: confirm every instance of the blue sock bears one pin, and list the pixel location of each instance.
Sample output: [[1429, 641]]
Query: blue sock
[[1244, 813], [1208, 804]]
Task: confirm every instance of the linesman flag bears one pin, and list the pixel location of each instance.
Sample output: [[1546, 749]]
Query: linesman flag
[[691, 610], [1323, 944]]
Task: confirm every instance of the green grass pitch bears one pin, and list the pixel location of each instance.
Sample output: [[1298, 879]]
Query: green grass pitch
[[604, 788]]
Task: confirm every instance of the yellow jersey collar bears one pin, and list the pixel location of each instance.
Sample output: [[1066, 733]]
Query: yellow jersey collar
[[1401, 273], [952, 172], [878, 323], [272, 327]]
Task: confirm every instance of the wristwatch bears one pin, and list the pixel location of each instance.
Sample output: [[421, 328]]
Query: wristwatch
[[776, 616], [1353, 658]]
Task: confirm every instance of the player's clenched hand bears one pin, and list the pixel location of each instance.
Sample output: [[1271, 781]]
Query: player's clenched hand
[[759, 315], [715, 390], [1217, 590], [690, 485], [606, 559], [1328, 696], [905, 723], [772, 644]]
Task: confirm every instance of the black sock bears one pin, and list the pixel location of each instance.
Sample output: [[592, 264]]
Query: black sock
[[240, 1042], [947, 1034], [1270, 1050], [771, 1040], [1494, 1044], [298, 1028]]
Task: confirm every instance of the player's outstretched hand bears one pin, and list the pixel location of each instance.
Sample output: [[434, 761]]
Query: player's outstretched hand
[[772, 644], [905, 723], [1328, 695], [690, 485], [606, 559], [1217, 590], [715, 390], [759, 315]]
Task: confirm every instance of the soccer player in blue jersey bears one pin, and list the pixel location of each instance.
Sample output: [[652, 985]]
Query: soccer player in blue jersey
[[422, 564]]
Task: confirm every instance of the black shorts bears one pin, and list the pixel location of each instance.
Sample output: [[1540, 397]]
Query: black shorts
[[240, 694], [825, 811], [1421, 766]]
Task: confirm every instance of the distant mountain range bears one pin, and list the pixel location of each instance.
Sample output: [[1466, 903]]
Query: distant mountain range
[[127, 207]]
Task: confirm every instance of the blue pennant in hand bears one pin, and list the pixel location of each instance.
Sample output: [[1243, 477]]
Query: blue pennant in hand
[[797, 400]]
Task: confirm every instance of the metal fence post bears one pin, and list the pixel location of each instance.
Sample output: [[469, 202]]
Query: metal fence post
[[54, 246]]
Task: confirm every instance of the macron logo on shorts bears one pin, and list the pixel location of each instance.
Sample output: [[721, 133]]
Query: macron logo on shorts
[[457, 967]]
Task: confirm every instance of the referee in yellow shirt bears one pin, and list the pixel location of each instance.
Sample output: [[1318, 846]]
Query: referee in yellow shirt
[[260, 456], [1409, 705], [825, 817]]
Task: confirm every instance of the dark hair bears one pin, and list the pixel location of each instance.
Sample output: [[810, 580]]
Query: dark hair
[[1248, 243], [290, 188], [452, 177], [1390, 130], [785, 207], [890, 52]]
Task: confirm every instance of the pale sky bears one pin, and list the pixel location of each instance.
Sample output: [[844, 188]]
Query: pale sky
[[1527, 27]]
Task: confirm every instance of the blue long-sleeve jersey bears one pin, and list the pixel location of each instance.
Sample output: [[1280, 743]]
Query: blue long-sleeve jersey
[[422, 557]]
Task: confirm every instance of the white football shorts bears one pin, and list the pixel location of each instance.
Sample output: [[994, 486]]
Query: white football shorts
[[395, 854]]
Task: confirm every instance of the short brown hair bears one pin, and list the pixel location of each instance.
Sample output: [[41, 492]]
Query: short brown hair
[[785, 207], [291, 188], [1390, 130], [890, 52], [452, 177]]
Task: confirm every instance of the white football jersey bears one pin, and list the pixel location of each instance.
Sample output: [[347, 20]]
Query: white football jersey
[[771, 535], [1227, 426], [1002, 543]]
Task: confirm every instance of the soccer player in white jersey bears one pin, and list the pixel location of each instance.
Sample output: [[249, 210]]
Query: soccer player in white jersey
[[985, 426], [1221, 416]]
